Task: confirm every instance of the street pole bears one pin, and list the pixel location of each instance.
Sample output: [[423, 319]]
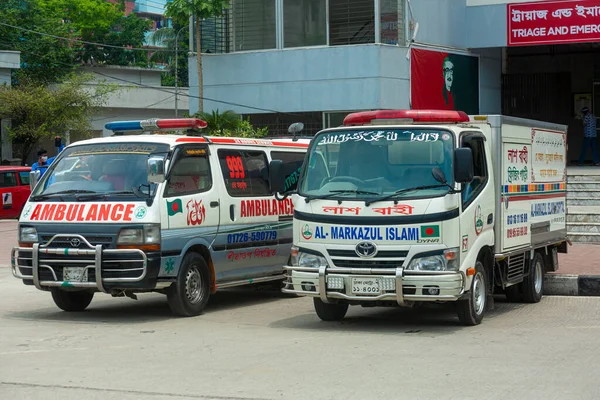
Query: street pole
[[177, 72]]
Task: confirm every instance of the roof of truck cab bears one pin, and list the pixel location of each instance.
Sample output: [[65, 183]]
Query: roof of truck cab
[[173, 140]]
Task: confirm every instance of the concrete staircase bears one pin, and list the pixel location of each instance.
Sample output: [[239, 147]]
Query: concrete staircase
[[583, 204]]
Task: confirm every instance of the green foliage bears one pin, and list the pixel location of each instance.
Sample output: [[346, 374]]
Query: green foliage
[[166, 37], [180, 10], [230, 124], [92, 18], [39, 111]]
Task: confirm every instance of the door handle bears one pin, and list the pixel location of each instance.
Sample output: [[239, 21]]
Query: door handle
[[214, 204], [490, 219], [232, 212]]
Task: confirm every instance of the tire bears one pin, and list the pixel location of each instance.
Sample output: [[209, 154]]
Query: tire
[[71, 301], [533, 283], [328, 311], [471, 310], [189, 294]]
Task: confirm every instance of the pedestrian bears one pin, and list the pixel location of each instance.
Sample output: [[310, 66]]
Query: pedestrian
[[589, 140], [43, 161]]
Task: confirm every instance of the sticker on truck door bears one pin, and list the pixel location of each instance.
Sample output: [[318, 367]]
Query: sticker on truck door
[[7, 200]]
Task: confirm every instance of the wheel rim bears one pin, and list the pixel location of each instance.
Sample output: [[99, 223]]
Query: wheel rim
[[479, 293], [537, 279], [193, 285]]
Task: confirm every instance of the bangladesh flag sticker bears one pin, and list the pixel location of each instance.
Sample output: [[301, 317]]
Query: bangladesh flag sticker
[[430, 231], [174, 207]]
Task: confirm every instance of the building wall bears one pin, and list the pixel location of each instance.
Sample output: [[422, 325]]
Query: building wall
[[441, 22]]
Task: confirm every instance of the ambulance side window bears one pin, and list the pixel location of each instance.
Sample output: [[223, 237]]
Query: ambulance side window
[[480, 177], [292, 164], [246, 172], [190, 173]]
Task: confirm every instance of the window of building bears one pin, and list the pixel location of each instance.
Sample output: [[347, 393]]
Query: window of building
[[8, 179], [254, 24], [246, 172], [351, 22], [392, 24], [24, 176], [304, 23], [190, 174], [292, 165], [471, 190]]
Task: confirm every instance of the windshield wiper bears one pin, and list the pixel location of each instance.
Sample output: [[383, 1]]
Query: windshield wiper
[[62, 192], [336, 192], [104, 196], [402, 191]]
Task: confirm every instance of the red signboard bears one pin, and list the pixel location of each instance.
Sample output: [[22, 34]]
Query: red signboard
[[553, 22]]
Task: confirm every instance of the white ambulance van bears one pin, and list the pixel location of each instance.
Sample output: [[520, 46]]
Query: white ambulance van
[[404, 207], [183, 215]]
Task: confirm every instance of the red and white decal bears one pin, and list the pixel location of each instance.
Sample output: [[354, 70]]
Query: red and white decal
[[83, 212], [268, 207]]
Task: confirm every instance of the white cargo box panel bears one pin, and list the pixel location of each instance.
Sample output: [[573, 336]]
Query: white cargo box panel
[[531, 172]]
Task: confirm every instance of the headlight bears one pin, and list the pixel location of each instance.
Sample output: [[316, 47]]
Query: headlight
[[446, 261], [28, 235], [148, 234], [310, 260]]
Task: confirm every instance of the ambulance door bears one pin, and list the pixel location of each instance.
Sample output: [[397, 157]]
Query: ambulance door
[[190, 207], [246, 246]]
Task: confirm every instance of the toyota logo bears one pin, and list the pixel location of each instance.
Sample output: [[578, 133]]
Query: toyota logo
[[366, 249], [75, 242]]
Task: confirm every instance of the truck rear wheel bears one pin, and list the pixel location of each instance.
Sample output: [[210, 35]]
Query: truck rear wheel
[[189, 294], [71, 301], [533, 283], [471, 310], [329, 311]]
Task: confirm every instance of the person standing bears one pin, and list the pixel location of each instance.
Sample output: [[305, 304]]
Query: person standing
[[589, 140], [43, 161]]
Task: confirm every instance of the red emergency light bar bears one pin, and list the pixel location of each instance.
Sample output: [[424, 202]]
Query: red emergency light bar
[[432, 116]]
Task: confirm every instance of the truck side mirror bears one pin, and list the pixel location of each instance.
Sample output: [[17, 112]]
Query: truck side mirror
[[156, 170], [463, 165], [34, 177], [276, 176]]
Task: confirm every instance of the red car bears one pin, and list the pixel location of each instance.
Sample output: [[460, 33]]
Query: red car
[[14, 189]]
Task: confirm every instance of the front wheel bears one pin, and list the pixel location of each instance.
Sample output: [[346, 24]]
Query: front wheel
[[189, 295], [329, 311], [471, 310], [71, 301]]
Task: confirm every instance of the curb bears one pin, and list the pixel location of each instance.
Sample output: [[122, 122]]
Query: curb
[[571, 285]]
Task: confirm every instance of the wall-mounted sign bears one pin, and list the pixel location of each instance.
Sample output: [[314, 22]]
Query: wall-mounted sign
[[553, 22]]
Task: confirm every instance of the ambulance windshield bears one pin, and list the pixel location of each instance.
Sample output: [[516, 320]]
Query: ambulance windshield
[[105, 169], [369, 164]]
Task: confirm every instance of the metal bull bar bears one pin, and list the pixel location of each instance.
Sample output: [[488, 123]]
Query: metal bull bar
[[40, 260]]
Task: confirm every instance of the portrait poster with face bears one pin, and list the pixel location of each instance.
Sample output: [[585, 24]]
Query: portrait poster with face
[[444, 81]]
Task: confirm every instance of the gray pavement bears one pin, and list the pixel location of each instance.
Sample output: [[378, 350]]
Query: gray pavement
[[264, 345]]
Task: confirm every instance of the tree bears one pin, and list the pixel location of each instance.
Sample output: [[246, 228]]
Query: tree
[[39, 111], [167, 37], [181, 10], [230, 124]]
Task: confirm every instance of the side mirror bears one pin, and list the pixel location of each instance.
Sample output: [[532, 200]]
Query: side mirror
[[463, 165], [156, 170], [276, 176], [34, 177], [295, 128]]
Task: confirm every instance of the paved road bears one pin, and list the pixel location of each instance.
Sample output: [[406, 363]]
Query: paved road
[[261, 345]]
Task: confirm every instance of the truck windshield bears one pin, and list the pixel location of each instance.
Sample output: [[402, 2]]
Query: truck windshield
[[99, 170], [371, 164]]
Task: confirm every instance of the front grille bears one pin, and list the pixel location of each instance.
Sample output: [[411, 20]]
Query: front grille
[[65, 242], [383, 259]]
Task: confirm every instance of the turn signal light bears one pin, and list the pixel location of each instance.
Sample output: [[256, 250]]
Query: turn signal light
[[470, 271]]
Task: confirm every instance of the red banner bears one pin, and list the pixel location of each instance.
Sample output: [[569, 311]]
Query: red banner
[[553, 22]]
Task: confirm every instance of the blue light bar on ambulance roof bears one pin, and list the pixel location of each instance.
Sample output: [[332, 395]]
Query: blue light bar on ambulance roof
[[419, 116], [156, 125]]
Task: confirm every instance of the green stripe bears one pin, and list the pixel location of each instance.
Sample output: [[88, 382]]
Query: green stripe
[[532, 193]]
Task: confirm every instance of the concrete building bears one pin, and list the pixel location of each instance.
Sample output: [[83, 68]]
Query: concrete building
[[9, 61], [317, 60]]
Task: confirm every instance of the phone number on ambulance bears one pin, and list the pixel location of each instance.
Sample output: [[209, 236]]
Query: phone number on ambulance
[[251, 237]]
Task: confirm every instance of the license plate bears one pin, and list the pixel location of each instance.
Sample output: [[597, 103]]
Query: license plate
[[365, 286], [75, 274]]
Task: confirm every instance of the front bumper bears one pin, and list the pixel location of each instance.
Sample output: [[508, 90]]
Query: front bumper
[[396, 284], [106, 269]]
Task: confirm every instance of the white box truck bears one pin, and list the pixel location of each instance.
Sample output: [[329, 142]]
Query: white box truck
[[408, 206]]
